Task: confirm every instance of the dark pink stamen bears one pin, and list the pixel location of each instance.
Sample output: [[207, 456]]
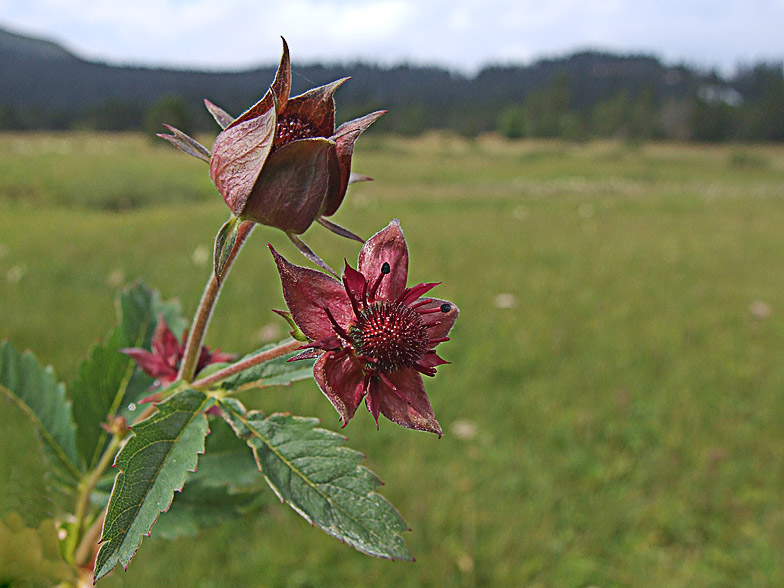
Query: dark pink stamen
[[385, 270], [419, 303], [338, 329]]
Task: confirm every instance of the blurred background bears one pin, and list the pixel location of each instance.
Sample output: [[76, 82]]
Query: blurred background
[[600, 189]]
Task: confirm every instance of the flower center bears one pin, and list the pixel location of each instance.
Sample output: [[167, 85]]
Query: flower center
[[290, 129], [389, 335]]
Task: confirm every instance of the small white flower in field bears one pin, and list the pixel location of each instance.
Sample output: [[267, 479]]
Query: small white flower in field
[[15, 274], [116, 278], [521, 212], [586, 210], [269, 332], [464, 430], [201, 255], [505, 300], [3, 250], [760, 309]]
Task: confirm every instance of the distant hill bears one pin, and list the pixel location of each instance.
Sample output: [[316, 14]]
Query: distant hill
[[43, 85]]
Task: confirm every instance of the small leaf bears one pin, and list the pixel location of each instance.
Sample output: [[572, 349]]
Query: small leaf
[[153, 465], [321, 479], [224, 245], [36, 392], [277, 372]]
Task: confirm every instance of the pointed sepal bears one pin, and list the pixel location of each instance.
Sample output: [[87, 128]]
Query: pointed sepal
[[185, 143], [338, 230], [223, 118], [305, 250]]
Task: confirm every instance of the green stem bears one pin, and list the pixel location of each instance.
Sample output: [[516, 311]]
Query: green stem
[[87, 485], [206, 305], [246, 363]]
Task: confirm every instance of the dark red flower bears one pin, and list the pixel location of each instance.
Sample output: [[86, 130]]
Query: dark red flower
[[163, 362], [282, 163], [373, 336]]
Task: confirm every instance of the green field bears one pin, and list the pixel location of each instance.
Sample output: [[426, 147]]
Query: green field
[[614, 411]]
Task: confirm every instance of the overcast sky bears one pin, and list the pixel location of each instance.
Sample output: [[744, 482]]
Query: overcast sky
[[462, 35]]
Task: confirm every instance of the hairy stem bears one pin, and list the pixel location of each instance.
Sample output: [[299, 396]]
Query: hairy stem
[[204, 312], [246, 363]]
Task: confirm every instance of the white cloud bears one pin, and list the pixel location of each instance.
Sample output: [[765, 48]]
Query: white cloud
[[459, 33]]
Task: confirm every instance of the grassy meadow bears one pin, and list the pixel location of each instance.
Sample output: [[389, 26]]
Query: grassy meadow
[[614, 411]]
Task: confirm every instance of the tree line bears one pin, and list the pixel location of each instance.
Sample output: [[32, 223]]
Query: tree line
[[581, 96]]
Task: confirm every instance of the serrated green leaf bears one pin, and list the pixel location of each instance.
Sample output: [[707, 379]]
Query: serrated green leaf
[[320, 478], [35, 391], [277, 372], [107, 381], [153, 464], [224, 245]]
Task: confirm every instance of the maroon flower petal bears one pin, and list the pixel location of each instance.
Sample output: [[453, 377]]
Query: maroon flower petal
[[373, 398], [342, 382], [431, 360], [307, 293], [277, 93], [315, 108], [165, 344], [345, 137], [356, 283], [408, 405], [238, 156], [151, 364], [291, 186], [388, 245], [439, 323]]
